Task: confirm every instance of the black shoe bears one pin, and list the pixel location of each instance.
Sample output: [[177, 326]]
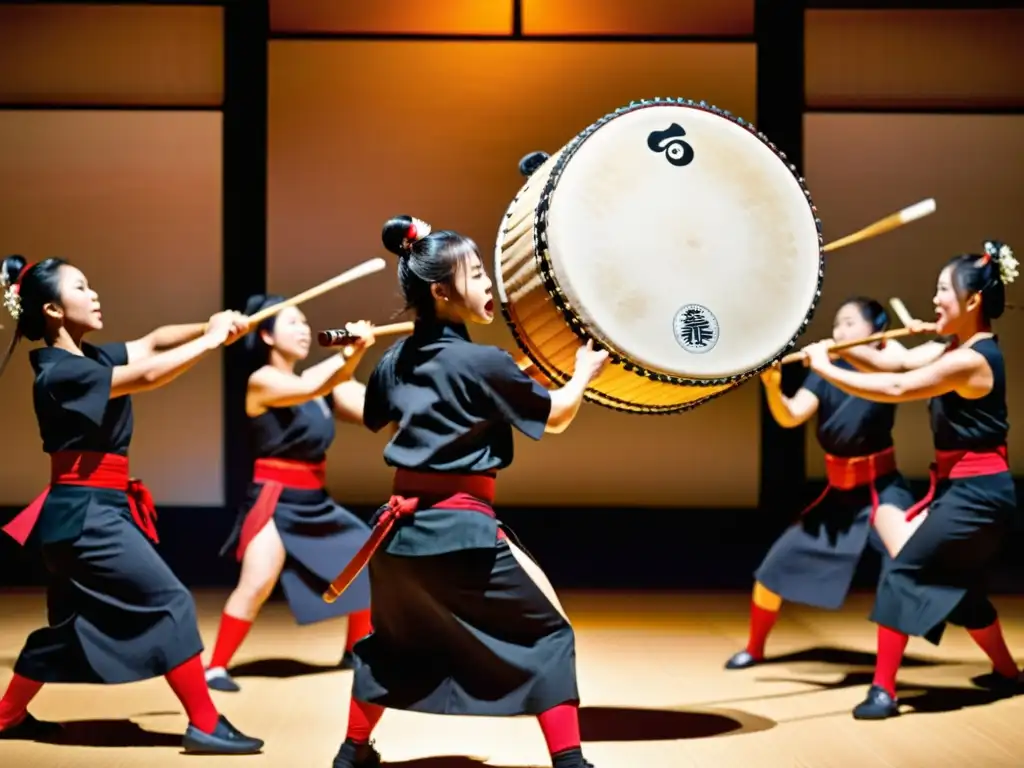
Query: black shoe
[[218, 679], [879, 705], [353, 755], [348, 661], [997, 683], [570, 758], [30, 729], [225, 740], [742, 660]]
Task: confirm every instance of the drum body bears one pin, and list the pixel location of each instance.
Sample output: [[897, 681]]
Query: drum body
[[673, 235]]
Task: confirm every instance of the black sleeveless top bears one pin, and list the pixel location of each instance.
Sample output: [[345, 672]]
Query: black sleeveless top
[[300, 432], [850, 426], [959, 424], [71, 395]]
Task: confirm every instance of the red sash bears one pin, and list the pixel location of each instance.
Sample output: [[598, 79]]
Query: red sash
[[276, 475], [953, 465], [847, 473], [92, 470], [472, 493]]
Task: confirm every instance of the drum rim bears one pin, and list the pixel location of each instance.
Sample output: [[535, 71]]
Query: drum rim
[[561, 304]]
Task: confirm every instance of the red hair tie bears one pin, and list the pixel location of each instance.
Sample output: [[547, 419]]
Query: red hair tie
[[16, 288]]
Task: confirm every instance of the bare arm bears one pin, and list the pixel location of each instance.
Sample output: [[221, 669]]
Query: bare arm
[[164, 367], [893, 357], [349, 398], [565, 402], [788, 411], [273, 388], [963, 371], [270, 387], [162, 339]]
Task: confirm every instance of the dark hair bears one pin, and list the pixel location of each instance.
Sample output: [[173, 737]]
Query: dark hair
[[39, 285], [870, 310], [424, 260], [980, 273], [257, 351]]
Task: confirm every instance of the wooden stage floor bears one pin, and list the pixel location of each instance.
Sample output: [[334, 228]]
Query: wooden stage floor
[[654, 690]]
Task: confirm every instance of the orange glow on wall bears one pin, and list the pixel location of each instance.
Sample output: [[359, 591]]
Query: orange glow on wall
[[456, 17], [134, 200], [914, 58], [111, 54], [638, 17]]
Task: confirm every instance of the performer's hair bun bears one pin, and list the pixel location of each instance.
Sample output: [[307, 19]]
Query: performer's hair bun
[[253, 342], [531, 162], [27, 288], [986, 274], [401, 233], [11, 268]]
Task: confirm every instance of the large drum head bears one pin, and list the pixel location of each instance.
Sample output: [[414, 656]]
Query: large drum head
[[682, 241]]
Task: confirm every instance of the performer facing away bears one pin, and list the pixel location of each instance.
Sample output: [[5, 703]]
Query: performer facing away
[[814, 561], [117, 613], [944, 547], [293, 530], [463, 622]]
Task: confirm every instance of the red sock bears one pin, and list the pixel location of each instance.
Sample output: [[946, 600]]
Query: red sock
[[14, 705], [359, 626], [991, 641], [761, 622], [189, 684], [891, 645], [229, 637], [362, 717], [561, 727]]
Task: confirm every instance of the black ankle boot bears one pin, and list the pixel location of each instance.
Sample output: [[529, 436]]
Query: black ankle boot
[[225, 740], [353, 755]]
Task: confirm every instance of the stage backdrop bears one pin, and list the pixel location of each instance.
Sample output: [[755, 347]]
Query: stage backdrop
[[132, 197], [862, 165], [362, 130]]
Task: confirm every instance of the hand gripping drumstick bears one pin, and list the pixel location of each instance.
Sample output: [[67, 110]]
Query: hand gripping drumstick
[[339, 337], [889, 223], [362, 270]]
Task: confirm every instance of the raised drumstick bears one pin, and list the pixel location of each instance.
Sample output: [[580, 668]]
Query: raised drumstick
[[357, 272], [889, 223], [901, 311], [795, 357]]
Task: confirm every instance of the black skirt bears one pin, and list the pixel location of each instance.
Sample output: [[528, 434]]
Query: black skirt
[[815, 559], [319, 537], [117, 613], [940, 576], [464, 633]]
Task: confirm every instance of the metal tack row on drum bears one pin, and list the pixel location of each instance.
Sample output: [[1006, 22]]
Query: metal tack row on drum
[[674, 235]]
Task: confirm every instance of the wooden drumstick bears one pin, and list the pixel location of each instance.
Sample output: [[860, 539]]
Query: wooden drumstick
[[341, 338], [901, 312], [362, 270], [889, 223], [795, 357]]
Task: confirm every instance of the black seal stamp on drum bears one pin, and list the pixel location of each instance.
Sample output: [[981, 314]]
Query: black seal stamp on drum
[[669, 141], [696, 329]]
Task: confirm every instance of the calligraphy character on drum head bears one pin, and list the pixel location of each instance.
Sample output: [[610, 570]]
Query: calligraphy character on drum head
[[944, 547], [464, 623], [814, 560]]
